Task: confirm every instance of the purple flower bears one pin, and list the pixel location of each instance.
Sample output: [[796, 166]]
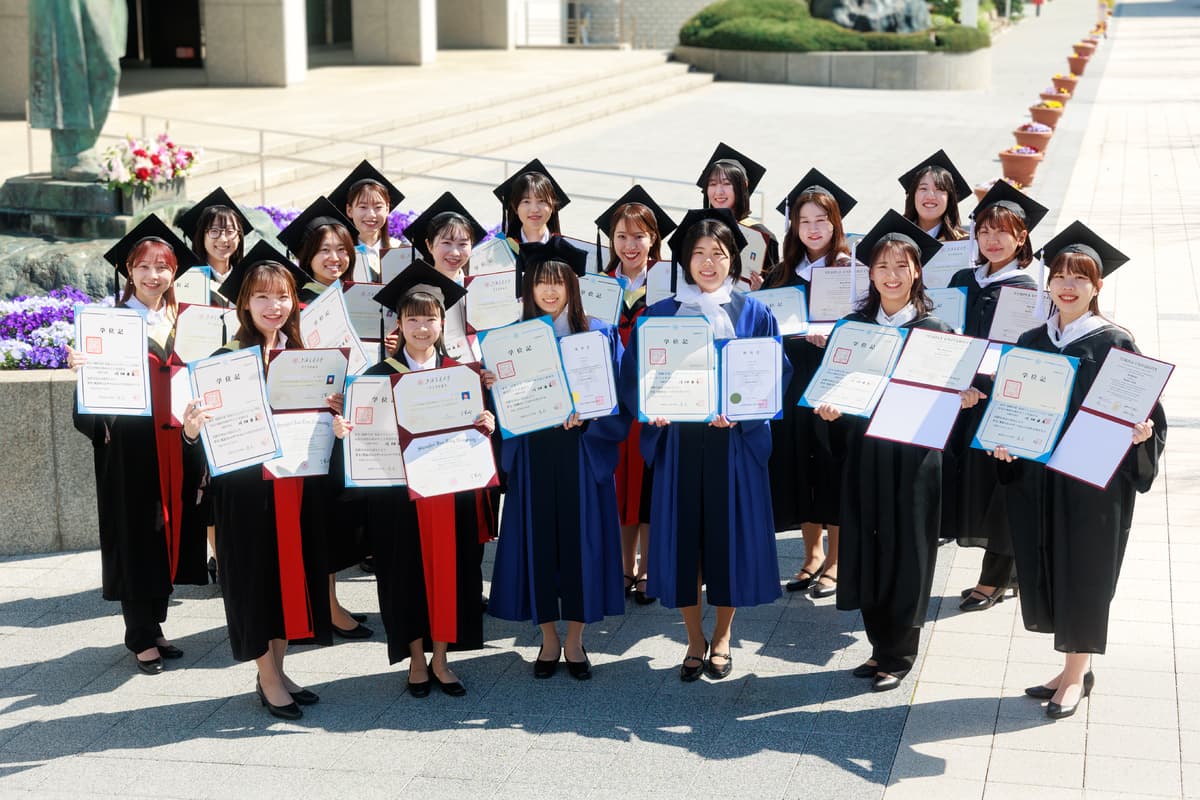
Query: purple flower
[[35, 331]]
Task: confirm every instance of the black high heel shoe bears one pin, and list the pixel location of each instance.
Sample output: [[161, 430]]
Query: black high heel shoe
[[305, 698], [152, 667], [290, 711], [545, 668], [799, 584], [1056, 711], [452, 688], [359, 631], [1041, 692], [639, 595], [978, 601], [579, 670], [212, 570], [688, 674]]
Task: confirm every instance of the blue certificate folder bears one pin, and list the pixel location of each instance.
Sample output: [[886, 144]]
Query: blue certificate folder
[[508, 428], [707, 392], [1028, 404], [727, 404], [885, 344], [249, 451]]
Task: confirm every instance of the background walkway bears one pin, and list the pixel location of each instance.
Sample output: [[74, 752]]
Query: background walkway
[[76, 719]]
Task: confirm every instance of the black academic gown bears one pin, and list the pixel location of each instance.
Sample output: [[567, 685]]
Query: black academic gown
[[891, 519], [973, 507], [1069, 536]]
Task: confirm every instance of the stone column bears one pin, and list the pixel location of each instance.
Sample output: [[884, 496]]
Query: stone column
[[255, 42], [14, 56], [476, 24], [394, 31]]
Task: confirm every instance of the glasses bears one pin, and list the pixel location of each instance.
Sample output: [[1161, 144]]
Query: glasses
[[217, 233]]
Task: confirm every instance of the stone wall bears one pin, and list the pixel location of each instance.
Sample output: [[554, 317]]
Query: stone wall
[[652, 24]]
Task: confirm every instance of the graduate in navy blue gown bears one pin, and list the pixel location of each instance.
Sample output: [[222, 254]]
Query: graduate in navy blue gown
[[711, 503], [559, 555]]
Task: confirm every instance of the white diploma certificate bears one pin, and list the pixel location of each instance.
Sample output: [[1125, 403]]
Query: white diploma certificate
[[531, 390], [829, 292], [198, 330], [372, 448], [1028, 403], [460, 345], [193, 286], [394, 261], [1017, 312], [754, 254], [858, 359], [751, 372], [325, 323], [491, 300], [365, 312], [1123, 394], [677, 369], [950, 306], [302, 379], [921, 401], [658, 282], [953, 257], [438, 399], [602, 297], [116, 378], [306, 438], [593, 265], [790, 307], [491, 256], [587, 361], [448, 462], [181, 394], [241, 432]]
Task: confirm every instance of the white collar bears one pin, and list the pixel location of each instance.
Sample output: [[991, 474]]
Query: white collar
[[1004, 273], [280, 340], [562, 323], [1081, 327], [153, 318], [417, 366], [935, 230], [805, 267], [632, 283], [545, 236], [904, 315], [692, 300]]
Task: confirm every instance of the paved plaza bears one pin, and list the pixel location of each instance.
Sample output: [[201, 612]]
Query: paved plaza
[[76, 719]]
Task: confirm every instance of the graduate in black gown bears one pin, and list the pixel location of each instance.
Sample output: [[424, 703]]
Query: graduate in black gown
[[530, 200], [711, 506], [151, 529], [977, 514], [728, 181], [932, 191], [323, 241], [367, 198], [805, 481], [427, 550], [270, 568], [891, 491], [1070, 536]]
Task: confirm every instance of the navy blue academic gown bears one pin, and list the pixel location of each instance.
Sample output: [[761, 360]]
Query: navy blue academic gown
[[711, 506]]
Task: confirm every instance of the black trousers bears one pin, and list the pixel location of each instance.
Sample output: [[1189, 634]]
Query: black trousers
[[142, 622], [997, 569], [893, 647]]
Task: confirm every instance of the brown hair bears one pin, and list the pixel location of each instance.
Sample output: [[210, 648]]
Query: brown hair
[[741, 185], [541, 187], [1081, 265], [225, 217], [149, 247], [313, 239], [943, 181], [559, 274], [362, 187], [642, 217], [794, 250], [425, 305], [916, 294], [268, 274], [710, 229], [1001, 218], [449, 220]]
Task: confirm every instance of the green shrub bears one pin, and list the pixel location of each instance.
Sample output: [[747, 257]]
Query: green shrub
[[961, 39], [945, 8]]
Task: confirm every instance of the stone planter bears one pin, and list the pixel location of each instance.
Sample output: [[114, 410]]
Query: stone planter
[[1059, 96], [1065, 83], [1046, 116], [142, 199], [1037, 140], [1077, 64], [1020, 167]]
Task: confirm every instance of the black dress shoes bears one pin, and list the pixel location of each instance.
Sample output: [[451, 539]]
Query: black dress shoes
[[359, 617], [885, 682], [545, 668], [1041, 692], [169, 651], [290, 711], [688, 673], [419, 689], [152, 667], [305, 698], [978, 601], [717, 672], [804, 579], [865, 670], [359, 631], [452, 688], [579, 670], [1056, 711]]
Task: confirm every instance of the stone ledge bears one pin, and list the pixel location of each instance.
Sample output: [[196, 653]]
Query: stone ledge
[[857, 70]]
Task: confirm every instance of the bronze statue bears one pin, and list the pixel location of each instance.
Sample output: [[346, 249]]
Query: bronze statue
[[75, 47]]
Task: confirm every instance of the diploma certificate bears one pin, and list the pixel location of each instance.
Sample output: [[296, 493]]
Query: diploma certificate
[[943, 360], [302, 379], [116, 378], [373, 456], [677, 369], [1028, 404], [448, 462], [953, 257], [531, 390], [950, 306], [460, 345], [593, 265], [829, 292], [491, 256], [1017, 312], [789, 305], [751, 372], [602, 297], [193, 286], [658, 282], [365, 312], [754, 254], [325, 323], [198, 330], [395, 261], [858, 359], [491, 300], [241, 432], [438, 399], [587, 361], [306, 438]]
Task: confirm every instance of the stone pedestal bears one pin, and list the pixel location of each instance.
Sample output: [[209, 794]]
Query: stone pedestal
[[43, 205], [394, 31]]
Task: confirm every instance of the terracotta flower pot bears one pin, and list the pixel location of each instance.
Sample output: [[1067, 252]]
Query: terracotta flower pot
[[1065, 83], [1086, 49], [1036, 139], [1046, 116], [1077, 63], [1062, 98], [1020, 167]]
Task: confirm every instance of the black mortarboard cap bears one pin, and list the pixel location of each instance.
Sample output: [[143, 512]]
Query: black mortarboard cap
[[694, 217], [503, 191], [558, 248], [815, 180], [754, 171], [1014, 200], [261, 252], [1079, 238], [217, 197], [637, 195], [419, 276], [320, 212], [894, 227], [418, 230], [151, 228], [962, 189], [340, 196]]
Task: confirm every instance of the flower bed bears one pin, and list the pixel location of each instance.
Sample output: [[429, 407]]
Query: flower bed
[[35, 331]]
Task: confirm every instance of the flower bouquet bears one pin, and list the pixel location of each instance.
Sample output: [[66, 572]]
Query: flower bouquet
[[139, 169], [1034, 134]]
